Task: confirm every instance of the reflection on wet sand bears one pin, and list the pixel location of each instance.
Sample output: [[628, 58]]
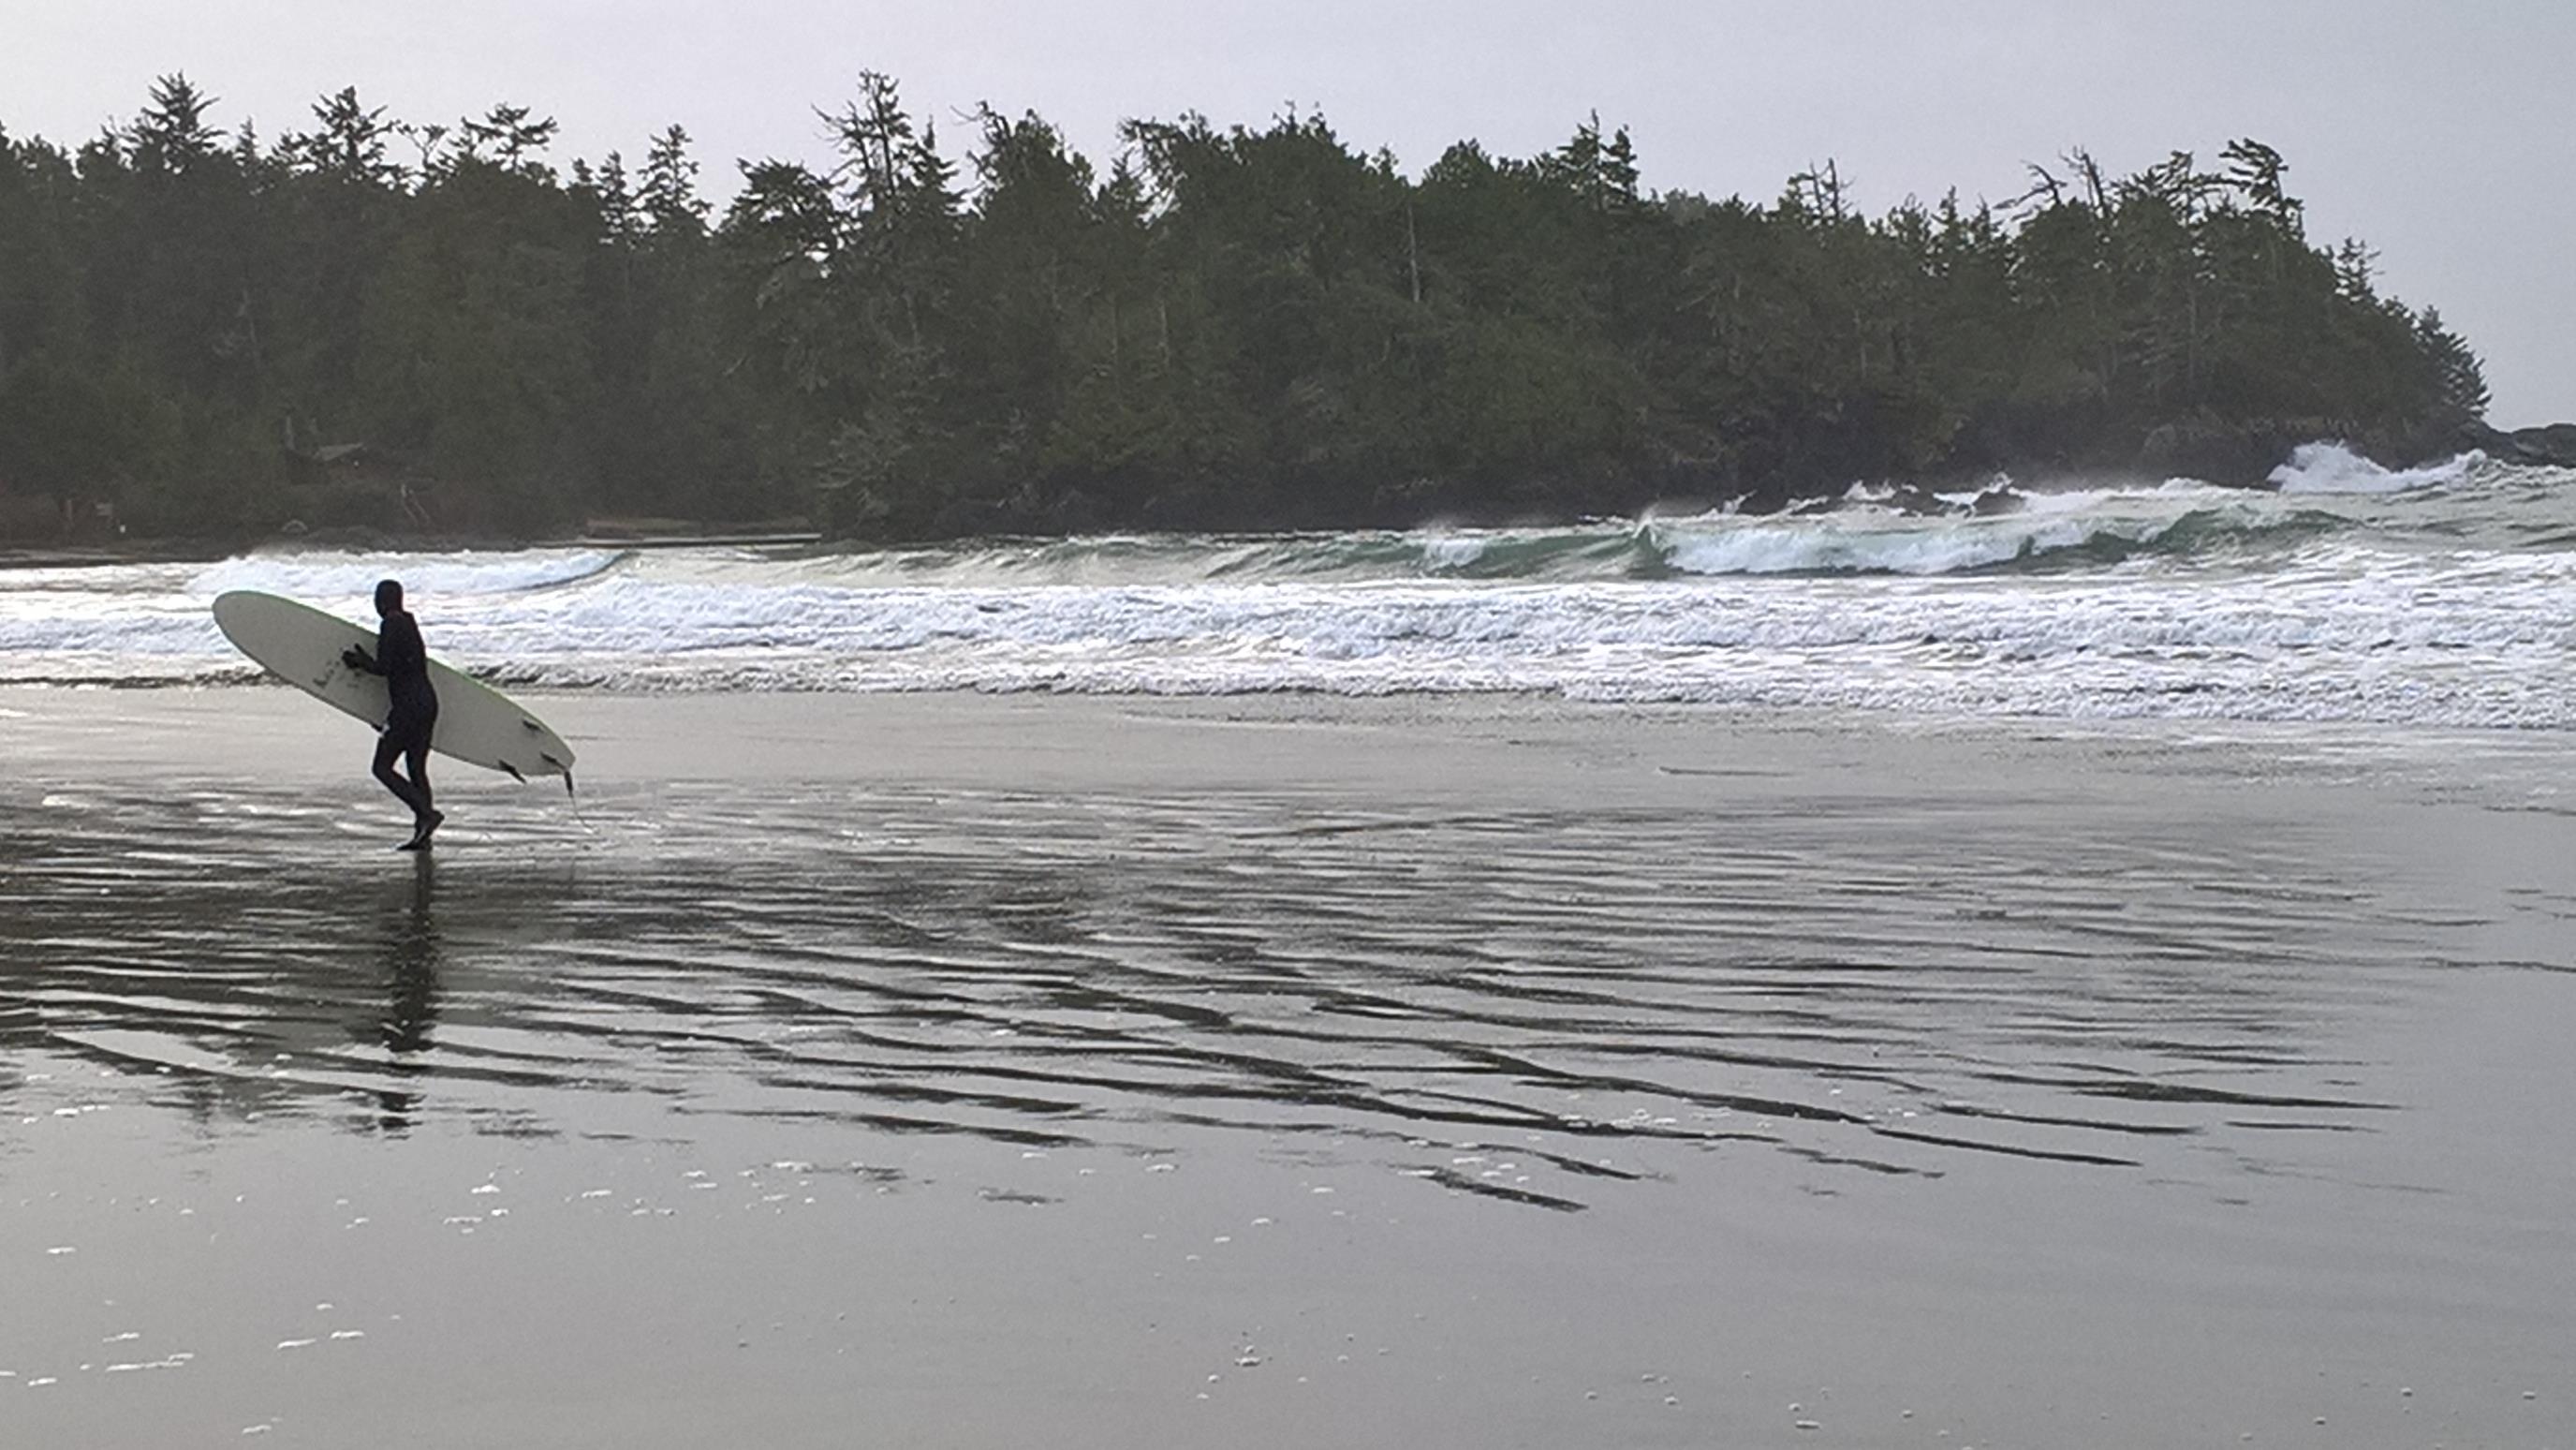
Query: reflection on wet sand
[[1881, 986], [411, 975]]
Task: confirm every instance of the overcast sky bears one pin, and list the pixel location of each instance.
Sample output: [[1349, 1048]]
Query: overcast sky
[[2440, 134]]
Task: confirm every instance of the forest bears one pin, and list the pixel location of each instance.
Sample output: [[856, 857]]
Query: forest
[[443, 329]]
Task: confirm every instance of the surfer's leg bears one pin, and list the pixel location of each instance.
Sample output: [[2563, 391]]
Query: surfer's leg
[[390, 747], [427, 814]]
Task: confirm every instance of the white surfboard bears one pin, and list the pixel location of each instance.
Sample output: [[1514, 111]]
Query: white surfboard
[[302, 646]]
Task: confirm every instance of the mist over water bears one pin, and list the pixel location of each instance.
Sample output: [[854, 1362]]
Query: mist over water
[[2443, 597]]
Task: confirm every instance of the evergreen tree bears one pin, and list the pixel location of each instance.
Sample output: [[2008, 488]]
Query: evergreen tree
[[1229, 327]]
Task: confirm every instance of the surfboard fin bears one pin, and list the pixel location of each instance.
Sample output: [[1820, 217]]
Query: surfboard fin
[[568, 790], [514, 772]]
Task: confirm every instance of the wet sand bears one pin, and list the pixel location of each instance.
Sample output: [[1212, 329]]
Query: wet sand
[[1031, 1071]]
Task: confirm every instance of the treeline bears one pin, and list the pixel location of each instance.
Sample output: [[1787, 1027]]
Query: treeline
[[435, 327]]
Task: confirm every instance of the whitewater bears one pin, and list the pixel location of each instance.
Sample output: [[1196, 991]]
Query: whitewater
[[2441, 597]]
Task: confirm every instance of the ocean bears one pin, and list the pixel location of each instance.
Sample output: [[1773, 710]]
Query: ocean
[[2443, 597]]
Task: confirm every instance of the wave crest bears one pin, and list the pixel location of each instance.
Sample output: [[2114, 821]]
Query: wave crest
[[329, 577], [2336, 468], [1995, 530]]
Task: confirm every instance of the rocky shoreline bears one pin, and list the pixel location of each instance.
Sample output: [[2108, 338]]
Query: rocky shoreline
[[2552, 445]]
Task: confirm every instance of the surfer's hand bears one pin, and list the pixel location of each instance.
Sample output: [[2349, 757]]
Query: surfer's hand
[[356, 658]]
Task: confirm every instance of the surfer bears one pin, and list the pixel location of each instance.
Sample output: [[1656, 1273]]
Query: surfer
[[404, 662]]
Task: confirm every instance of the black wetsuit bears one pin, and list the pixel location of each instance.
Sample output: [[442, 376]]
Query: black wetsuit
[[405, 666], [404, 663]]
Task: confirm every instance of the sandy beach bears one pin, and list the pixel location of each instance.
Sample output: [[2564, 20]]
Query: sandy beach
[[974, 1070]]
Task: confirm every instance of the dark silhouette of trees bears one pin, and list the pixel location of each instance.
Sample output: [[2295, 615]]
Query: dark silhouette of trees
[[443, 327]]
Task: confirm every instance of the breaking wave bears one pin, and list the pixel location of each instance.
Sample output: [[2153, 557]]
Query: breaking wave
[[2001, 529], [323, 577], [2335, 468], [2449, 601], [2045, 531]]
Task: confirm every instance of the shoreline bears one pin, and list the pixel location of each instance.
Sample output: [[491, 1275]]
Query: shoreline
[[2520, 752], [924, 717]]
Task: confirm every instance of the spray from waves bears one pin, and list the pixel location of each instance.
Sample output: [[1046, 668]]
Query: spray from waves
[[2335, 468]]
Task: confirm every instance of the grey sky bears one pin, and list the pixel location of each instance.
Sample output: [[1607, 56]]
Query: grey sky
[[2440, 134]]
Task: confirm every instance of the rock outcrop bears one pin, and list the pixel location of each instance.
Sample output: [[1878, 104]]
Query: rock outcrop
[[2549, 446]]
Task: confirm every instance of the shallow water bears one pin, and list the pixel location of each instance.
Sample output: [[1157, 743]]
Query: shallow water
[[2124, 1088]]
